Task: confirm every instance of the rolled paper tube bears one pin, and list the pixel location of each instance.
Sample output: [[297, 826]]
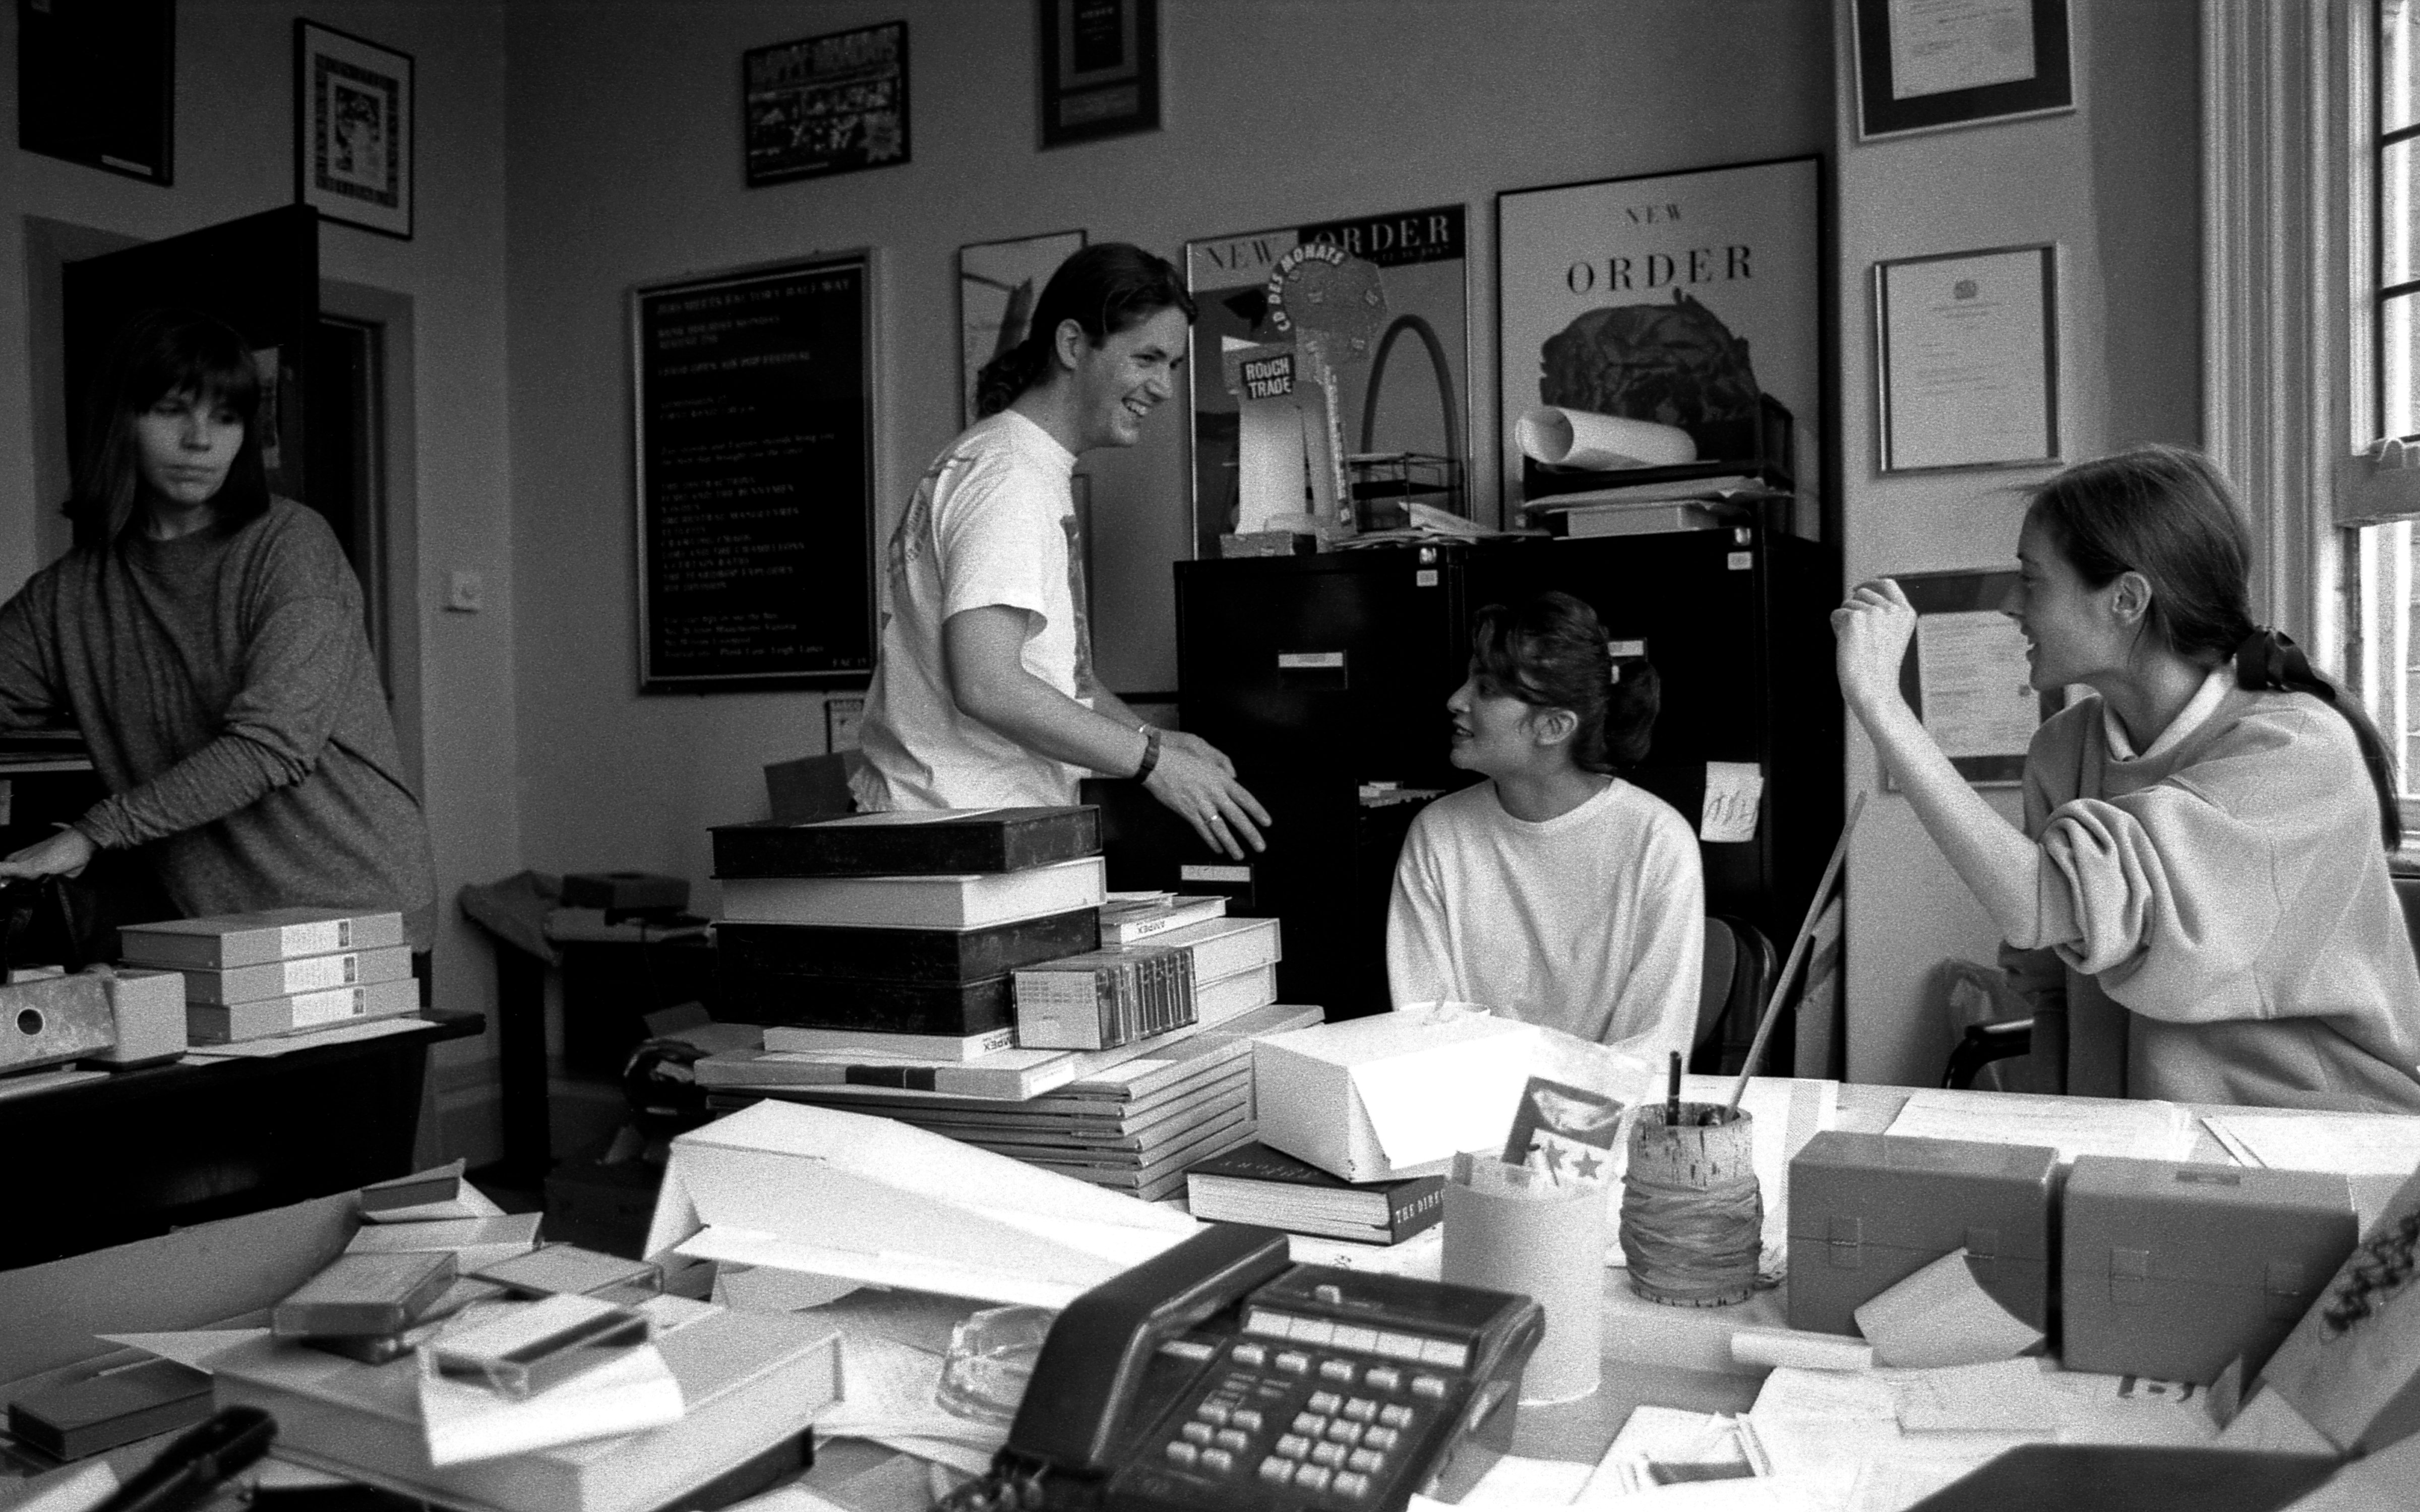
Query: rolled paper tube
[[1548, 1246], [1800, 1350], [1692, 1214], [1578, 439]]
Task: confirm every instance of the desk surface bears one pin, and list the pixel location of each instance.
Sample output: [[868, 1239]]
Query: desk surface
[[139, 1151]]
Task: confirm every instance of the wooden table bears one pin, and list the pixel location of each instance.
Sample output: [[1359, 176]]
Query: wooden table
[[131, 1155]]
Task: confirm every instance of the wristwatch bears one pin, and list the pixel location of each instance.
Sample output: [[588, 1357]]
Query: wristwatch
[[1150, 752]]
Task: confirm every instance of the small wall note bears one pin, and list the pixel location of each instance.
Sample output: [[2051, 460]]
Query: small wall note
[[1733, 789]]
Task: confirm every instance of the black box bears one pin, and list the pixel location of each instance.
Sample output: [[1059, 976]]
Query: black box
[[996, 840]]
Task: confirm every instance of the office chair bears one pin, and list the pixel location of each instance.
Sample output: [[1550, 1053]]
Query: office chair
[[1739, 972], [1986, 1043]]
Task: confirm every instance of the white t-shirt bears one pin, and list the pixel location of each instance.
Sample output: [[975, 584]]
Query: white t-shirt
[[1592, 922], [991, 523]]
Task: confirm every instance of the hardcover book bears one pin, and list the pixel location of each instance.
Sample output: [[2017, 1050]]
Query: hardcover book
[[1131, 921], [758, 956], [221, 940], [750, 1380], [1223, 946], [965, 901], [948, 842], [1010, 1074], [297, 974], [265, 1018], [956, 1010], [1255, 1184], [874, 1046]]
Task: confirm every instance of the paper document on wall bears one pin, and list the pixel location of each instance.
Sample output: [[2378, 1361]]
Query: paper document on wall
[[2143, 1130], [1733, 790], [1973, 680]]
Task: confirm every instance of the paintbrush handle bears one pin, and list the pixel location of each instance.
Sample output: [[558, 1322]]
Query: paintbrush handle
[[1797, 954]]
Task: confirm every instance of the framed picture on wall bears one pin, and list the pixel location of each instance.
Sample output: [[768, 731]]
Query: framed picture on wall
[[97, 83], [1100, 68], [754, 456], [824, 105], [1319, 344], [1689, 300], [1923, 65], [1967, 343], [352, 129], [999, 284], [1966, 677]]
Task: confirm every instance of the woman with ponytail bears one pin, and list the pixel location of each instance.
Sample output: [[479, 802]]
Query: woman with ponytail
[[984, 694], [2200, 906]]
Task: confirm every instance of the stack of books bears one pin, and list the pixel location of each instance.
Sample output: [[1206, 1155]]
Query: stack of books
[[280, 971], [900, 930], [1131, 1118], [1254, 1184]]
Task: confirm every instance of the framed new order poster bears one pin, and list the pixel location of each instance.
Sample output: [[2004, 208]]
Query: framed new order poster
[[1691, 299]]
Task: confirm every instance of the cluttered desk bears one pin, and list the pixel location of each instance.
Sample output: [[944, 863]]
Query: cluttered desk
[[1478, 1263]]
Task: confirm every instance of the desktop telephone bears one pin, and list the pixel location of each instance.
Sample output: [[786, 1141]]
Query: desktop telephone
[[1219, 1375]]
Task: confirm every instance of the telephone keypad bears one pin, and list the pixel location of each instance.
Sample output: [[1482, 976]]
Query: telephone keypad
[[1336, 1445]]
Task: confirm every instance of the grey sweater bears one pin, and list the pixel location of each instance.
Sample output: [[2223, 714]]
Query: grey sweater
[[226, 689]]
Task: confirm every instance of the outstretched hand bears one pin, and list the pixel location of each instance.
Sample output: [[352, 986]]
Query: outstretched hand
[[63, 854], [1196, 781], [1871, 631]]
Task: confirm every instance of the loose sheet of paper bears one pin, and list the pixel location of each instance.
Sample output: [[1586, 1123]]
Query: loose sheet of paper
[[2073, 1126], [1942, 1315], [2004, 1396], [1733, 790], [2355, 1144]]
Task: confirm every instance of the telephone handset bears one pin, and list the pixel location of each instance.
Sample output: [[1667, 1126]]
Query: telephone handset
[[1219, 1375]]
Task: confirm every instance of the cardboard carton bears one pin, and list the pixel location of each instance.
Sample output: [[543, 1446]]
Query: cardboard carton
[[1394, 1094]]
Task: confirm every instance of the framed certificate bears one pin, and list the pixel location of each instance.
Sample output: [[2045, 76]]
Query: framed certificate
[[1927, 65], [1968, 359], [1966, 677]]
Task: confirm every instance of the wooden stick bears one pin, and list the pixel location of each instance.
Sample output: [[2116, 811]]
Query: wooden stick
[[1797, 954]]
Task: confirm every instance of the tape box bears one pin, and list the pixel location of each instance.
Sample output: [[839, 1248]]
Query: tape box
[[54, 1019]]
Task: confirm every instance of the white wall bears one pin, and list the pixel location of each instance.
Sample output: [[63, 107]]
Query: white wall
[[234, 157], [2116, 185], [625, 130]]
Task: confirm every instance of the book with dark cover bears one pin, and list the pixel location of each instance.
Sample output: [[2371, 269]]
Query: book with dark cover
[[907, 844], [752, 995], [1254, 1184], [807, 952], [87, 1417]]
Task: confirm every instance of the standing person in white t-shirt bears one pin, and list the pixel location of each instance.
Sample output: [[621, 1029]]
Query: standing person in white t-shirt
[[1554, 892], [984, 693]]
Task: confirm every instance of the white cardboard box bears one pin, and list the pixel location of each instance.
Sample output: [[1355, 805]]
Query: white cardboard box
[[1371, 1099]]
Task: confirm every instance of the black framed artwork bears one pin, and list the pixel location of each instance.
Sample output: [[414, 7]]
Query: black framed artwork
[[1925, 66], [824, 105], [352, 129], [1965, 675], [97, 83], [1966, 371], [754, 454], [1100, 68]]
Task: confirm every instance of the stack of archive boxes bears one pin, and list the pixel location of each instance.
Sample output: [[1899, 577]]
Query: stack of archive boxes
[[901, 966], [279, 971]]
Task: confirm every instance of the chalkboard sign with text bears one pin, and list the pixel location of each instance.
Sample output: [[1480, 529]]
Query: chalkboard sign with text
[[755, 463]]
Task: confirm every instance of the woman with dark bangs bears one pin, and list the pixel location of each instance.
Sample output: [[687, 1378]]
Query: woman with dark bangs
[[1554, 892], [208, 639]]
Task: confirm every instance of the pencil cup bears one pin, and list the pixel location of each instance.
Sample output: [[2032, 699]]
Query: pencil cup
[[1546, 1243], [1692, 1215]]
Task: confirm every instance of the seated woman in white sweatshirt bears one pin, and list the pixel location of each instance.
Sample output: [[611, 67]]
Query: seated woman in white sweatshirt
[[1554, 892]]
